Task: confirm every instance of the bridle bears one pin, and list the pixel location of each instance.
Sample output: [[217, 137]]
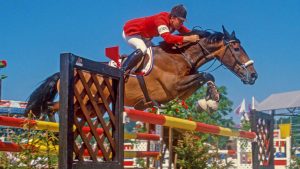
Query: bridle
[[245, 78], [208, 55]]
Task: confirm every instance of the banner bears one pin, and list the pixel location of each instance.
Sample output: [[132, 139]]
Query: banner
[[13, 104], [285, 130]]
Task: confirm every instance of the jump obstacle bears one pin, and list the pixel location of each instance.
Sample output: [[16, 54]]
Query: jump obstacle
[[72, 126], [50, 126], [13, 147], [146, 117], [54, 127], [136, 115], [112, 83]]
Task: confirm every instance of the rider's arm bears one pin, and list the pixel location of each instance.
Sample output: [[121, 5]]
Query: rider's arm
[[183, 29], [190, 38], [174, 39], [164, 32]]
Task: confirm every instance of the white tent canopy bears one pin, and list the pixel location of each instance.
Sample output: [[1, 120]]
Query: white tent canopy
[[286, 100]]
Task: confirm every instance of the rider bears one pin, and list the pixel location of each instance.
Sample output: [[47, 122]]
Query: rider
[[139, 32]]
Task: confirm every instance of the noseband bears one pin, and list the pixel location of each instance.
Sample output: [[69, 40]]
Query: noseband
[[237, 60]]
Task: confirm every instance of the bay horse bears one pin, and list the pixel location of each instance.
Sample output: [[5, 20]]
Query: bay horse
[[174, 74]]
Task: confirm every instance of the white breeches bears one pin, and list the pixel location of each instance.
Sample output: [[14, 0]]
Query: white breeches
[[137, 42]]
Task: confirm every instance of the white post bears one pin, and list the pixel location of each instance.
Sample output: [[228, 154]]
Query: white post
[[288, 151]]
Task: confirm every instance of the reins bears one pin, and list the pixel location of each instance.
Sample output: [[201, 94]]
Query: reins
[[207, 53]]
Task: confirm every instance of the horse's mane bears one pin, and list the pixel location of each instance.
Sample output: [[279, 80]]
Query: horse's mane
[[210, 37]]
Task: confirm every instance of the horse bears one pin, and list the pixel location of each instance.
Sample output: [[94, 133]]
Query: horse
[[174, 74]]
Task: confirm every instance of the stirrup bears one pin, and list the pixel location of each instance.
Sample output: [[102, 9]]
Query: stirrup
[[132, 60]]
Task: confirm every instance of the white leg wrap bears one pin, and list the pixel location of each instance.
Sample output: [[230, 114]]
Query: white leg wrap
[[201, 105], [209, 106]]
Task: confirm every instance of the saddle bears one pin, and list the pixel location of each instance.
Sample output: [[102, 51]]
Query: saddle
[[138, 68], [142, 66]]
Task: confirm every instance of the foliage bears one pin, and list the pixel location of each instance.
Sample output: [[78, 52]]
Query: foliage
[[37, 148], [246, 126], [193, 153], [141, 162], [295, 164], [188, 110]]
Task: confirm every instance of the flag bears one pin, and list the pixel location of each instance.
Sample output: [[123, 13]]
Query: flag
[[253, 104], [285, 130], [113, 54], [3, 63], [241, 108]]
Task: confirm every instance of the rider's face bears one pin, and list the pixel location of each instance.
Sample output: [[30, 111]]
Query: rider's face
[[176, 22]]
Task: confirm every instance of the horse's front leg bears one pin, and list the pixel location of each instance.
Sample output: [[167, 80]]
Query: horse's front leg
[[189, 84], [194, 81]]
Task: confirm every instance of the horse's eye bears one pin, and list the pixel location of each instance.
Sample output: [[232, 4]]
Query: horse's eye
[[235, 45], [236, 49]]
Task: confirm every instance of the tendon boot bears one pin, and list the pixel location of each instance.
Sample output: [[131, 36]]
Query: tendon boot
[[132, 60], [212, 92]]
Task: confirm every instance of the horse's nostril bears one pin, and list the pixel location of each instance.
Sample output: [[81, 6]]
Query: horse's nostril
[[254, 76]]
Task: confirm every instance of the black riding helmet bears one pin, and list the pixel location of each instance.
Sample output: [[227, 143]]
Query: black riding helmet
[[179, 11]]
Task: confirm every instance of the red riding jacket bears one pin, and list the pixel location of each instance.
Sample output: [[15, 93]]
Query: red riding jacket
[[155, 25]]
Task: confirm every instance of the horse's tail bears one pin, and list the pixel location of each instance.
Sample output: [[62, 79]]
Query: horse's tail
[[46, 92]]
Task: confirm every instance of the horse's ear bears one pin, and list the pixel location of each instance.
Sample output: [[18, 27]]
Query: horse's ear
[[226, 34], [233, 35]]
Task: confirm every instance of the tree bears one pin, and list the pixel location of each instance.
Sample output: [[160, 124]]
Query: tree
[[193, 152], [188, 110]]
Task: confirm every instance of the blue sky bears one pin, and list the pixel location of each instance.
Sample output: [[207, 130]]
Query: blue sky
[[33, 34]]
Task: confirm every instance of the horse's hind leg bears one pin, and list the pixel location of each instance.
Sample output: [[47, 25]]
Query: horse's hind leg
[[51, 117], [42, 117]]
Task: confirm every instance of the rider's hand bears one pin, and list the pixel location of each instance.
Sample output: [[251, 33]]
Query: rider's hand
[[191, 38]]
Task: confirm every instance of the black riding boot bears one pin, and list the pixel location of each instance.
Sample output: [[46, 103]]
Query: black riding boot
[[132, 60]]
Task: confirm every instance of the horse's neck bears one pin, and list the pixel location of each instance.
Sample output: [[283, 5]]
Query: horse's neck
[[169, 60], [190, 58], [210, 52]]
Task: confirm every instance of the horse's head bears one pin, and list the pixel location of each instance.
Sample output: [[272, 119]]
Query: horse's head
[[227, 49], [235, 58], [223, 46]]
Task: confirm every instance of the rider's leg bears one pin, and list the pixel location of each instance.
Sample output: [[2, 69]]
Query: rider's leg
[[134, 58]]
